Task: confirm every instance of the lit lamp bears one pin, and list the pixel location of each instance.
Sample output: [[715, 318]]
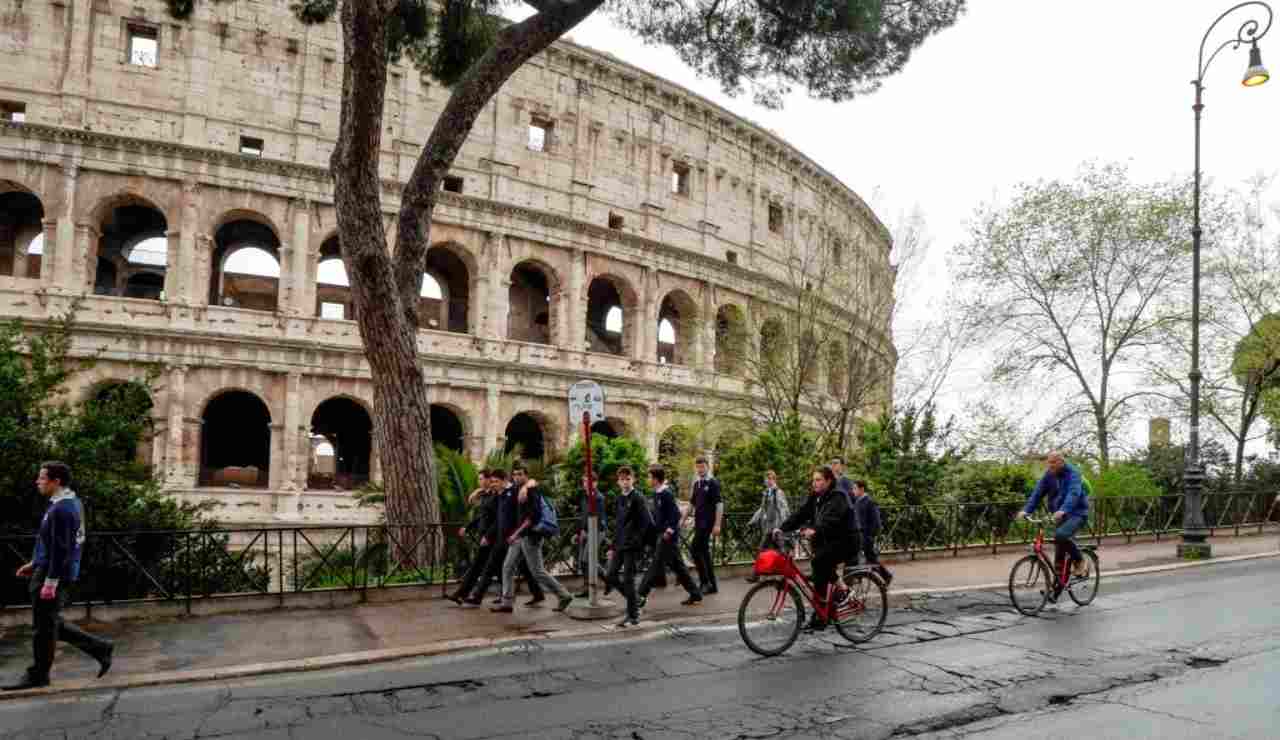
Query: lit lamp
[[1256, 74]]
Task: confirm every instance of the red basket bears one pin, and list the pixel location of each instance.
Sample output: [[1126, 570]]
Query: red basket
[[771, 563]]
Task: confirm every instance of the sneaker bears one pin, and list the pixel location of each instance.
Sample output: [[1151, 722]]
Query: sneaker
[[630, 621], [497, 601], [565, 601], [455, 598], [471, 603], [535, 601], [502, 608], [693, 600]]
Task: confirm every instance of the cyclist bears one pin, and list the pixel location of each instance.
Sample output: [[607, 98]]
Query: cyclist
[[1069, 502], [826, 514]]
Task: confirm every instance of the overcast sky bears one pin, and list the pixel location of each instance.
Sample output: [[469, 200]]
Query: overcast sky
[[1019, 90]]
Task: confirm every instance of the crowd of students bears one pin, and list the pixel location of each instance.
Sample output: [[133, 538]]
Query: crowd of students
[[513, 519]]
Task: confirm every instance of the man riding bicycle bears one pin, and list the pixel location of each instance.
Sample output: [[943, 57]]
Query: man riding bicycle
[[1069, 502]]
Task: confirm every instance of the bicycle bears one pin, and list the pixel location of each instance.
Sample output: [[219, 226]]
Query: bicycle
[[1036, 570], [771, 615]]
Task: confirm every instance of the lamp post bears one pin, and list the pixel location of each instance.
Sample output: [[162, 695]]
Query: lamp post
[[1250, 32]]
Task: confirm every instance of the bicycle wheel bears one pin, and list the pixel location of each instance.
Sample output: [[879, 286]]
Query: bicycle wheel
[[1029, 585], [860, 616], [1083, 590], [770, 617]]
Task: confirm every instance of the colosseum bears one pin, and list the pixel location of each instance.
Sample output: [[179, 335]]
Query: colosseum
[[172, 176]]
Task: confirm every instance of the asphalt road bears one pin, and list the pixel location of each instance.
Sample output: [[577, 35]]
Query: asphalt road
[[1192, 653]]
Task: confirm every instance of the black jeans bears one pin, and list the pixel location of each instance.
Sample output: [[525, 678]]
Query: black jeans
[[478, 566], [700, 549], [666, 556], [872, 556], [493, 571], [625, 563], [825, 560], [49, 627]]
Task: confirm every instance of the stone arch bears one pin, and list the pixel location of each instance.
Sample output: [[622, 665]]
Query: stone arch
[[246, 265], [677, 329], [449, 426], [732, 340], [333, 287], [533, 313], [346, 424], [609, 298], [130, 257], [21, 228], [235, 440], [454, 270], [532, 432]]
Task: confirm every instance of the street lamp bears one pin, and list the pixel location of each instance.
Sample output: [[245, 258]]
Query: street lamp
[[1194, 531]]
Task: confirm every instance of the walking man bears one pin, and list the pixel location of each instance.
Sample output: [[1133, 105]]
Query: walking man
[[667, 553], [772, 513], [868, 513], [708, 511], [632, 523], [505, 522], [482, 524], [53, 571], [584, 545], [526, 545]]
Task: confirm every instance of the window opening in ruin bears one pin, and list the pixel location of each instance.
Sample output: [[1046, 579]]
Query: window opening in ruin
[[731, 257], [615, 221], [446, 428], [540, 134], [13, 111], [144, 46], [525, 435], [607, 328], [335, 311], [333, 288], [21, 232], [235, 442], [680, 178], [529, 305], [453, 184], [775, 218], [677, 319], [731, 340], [613, 321], [246, 266], [132, 254], [348, 430], [608, 428], [251, 146], [446, 292]]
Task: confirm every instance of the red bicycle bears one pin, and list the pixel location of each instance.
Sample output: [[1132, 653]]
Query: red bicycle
[[771, 615], [1030, 581]]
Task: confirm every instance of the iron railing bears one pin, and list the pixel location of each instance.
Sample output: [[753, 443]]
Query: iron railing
[[187, 565]]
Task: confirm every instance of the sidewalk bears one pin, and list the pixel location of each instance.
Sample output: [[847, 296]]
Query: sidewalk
[[240, 644]]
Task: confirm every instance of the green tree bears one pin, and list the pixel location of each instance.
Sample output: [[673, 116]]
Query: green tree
[[786, 448], [905, 455], [1073, 282], [834, 49], [607, 455]]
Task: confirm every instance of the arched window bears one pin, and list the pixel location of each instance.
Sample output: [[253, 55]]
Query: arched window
[[524, 433], [21, 227], [133, 252], [333, 288], [530, 316], [235, 441], [246, 266], [677, 329], [446, 428], [348, 431]]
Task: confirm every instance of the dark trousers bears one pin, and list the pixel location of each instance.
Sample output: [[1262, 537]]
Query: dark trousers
[[667, 555], [700, 549], [825, 560], [493, 571], [49, 627], [1064, 545], [624, 563], [872, 556], [478, 566]]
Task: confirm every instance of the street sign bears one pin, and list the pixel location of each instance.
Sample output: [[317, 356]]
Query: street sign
[[588, 396]]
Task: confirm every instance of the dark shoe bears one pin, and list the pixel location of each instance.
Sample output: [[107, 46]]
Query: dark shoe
[[535, 601], [502, 609], [608, 588], [497, 601], [815, 625], [629, 621], [712, 589], [471, 603], [455, 598], [27, 682], [693, 600], [888, 578], [104, 662], [565, 601]]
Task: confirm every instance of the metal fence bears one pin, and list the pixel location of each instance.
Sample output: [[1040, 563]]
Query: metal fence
[[186, 565]]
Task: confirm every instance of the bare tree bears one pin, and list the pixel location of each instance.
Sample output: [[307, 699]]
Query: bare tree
[[1070, 283]]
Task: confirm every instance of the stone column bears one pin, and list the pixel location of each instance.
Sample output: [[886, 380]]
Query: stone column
[[293, 473], [50, 252], [646, 330], [499, 285], [573, 309], [300, 283], [201, 270], [491, 430], [177, 452], [707, 329], [651, 430], [276, 470], [59, 252], [184, 260], [172, 274], [83, 270]]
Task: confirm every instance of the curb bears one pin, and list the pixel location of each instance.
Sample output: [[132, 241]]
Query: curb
[[492, 644]]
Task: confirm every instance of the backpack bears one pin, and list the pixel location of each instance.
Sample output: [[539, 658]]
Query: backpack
[[550, 524]]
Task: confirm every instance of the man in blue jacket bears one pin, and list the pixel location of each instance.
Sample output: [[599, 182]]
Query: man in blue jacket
[[53, 570], [667, 554], [1063, 484]]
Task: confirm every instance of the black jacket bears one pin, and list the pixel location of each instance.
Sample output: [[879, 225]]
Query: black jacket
[[828, 515], [631, 522], [666, 511], [868, 516], [486, 519]]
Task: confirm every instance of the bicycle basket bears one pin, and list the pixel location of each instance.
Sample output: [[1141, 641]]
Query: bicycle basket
[[771, 563]]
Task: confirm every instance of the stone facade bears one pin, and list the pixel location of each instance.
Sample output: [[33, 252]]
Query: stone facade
[[589, 189]]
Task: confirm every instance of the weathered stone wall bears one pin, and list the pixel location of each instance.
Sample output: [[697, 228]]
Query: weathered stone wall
[[103, 136]]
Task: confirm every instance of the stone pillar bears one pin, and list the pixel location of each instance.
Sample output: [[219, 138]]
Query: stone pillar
[[293, 468], [651, 430], [499, 285], [50, 252], [707, 329], [277, 473], [491, 423], [184, 261], [172, 274], [177, 452], [300, 283], [646, 331], [60, 252], [573, 307], [20, 243], [201, 271], [83, 270]]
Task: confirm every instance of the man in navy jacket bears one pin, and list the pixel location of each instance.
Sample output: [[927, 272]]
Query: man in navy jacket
[[53, 570], [708, 511], [667, 555]]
